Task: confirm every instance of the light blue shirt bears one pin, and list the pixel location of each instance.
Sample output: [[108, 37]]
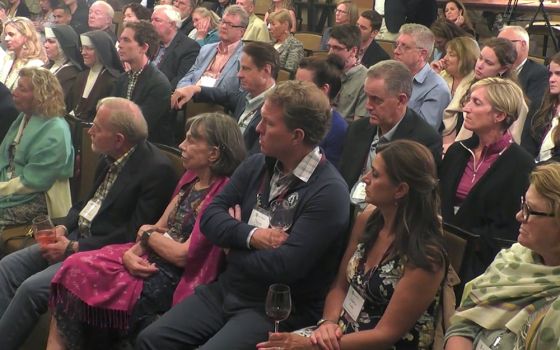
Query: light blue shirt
[[430, 96]]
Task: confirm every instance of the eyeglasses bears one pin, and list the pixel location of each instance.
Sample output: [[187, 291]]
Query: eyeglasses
[[526, 211], [337, 11], [404, 47], [229, 24]]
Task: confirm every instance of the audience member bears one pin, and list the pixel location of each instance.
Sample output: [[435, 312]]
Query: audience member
[[8, 111], [346, 12], [79, 13], [96, 82], [326, 74], [544, 123], [141, 278], [62, 46], [101, 18], [258, 67], [430, 94], [289, 48], [399, 12], [217, 64], [176, 53], [370, 52], [133, 183], [344, 42], [522, 277], [496, 60], [482, 178], [388, 87], [17, 8], [134, 12], [185, 8], [219, 6], [456, 13], [256, 29], [24, 50], [444, 31], [457, 69], [292, 173], [45, 18], [144, 84], [395, 286], [206, 24], [532, 76], [62, 15], [36, 153], [277, 5]]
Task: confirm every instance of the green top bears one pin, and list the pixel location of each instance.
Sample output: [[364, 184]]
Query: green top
[[43, 155]]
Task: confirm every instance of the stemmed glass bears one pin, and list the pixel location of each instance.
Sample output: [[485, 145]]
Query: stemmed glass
[[278, 303], [281, 216]]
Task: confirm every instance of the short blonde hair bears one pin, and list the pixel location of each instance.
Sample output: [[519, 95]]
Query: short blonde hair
[[32, 48], [546, 180], [505, 96], [48, 98], [282, 16]]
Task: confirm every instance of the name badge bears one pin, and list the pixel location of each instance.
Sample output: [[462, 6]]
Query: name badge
[[358, 194], [259, 218], [207, 81], [90, 210], [353, 303]]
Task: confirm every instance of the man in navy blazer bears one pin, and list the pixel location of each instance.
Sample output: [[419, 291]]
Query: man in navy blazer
[[177, 52], [133, 184], [258, 66], [209, 69], [388, 87]]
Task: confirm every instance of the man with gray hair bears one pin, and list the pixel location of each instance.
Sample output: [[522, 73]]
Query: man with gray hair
[[217, 63], [388, 88], [533, 77], [134, 181], [256, 30], [177, 52], [101, 18], [430, 94]]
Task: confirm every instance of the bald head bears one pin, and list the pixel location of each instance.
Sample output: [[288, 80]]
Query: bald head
[[125, 117], [520, 39], [100, 16]]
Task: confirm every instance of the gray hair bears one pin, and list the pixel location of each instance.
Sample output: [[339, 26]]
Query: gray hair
[[221, 131], [519, 31], [396, 75], [108, 8], [304, 107], [126, 118], [236, 10], [422, 35], [171, 12]]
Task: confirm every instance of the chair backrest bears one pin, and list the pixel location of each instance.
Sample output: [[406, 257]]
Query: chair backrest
[[320, 53], [310, 41], [174, 155], [458, 244], [284, 74], [538, 59], [195, 108], [387, 46], [88, 162]]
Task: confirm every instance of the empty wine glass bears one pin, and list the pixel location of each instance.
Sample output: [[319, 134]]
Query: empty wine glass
[[281, 216], [278, 303]]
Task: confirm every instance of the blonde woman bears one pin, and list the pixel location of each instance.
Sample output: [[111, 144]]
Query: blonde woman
[[205, 26], [290, 49], [277, 5], [24, 50], [36, 155]]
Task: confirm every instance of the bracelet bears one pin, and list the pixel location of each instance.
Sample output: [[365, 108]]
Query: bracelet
[[69, 249], [324, 320]]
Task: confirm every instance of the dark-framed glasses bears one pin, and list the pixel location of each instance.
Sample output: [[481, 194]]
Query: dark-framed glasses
[[526, 211]]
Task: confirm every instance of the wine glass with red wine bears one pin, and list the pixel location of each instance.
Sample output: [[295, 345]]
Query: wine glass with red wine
[[278, 303]]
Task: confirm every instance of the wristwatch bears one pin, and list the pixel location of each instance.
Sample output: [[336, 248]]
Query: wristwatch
[[145, 238], [324, 320]]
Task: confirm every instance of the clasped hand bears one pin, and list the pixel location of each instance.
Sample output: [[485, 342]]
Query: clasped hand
[[54, 252]]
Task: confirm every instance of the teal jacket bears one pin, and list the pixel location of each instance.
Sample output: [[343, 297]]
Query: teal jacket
[[44, 155]]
